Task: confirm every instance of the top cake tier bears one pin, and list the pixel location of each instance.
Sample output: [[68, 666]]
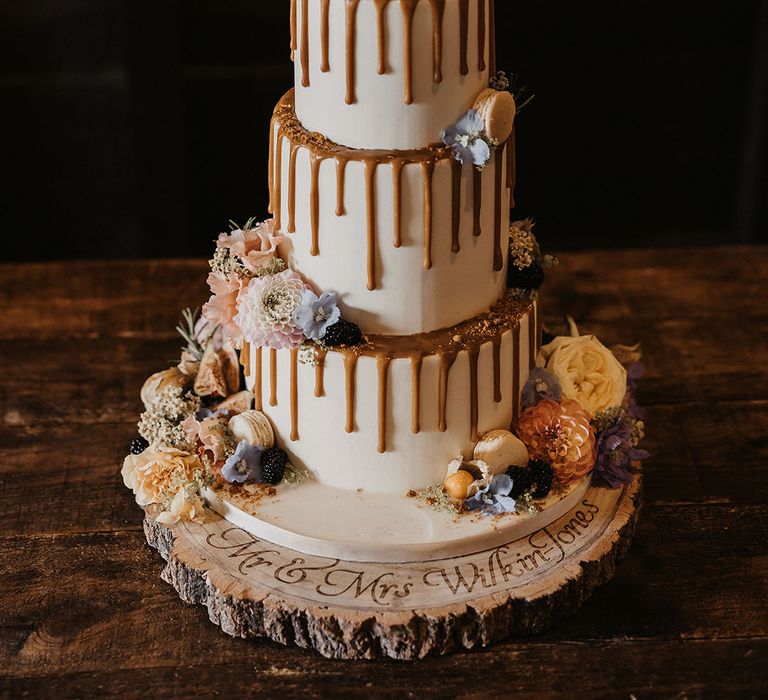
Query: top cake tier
[[389, 74]]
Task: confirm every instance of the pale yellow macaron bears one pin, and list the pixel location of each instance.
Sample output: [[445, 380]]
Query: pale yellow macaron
[[497, 109]]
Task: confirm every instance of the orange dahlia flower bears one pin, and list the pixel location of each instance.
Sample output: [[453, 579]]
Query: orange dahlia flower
[[559, 433]]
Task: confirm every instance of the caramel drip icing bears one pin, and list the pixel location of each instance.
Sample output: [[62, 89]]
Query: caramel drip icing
[[477, 201], [512, 166], [446, 362], [277, 205], [463, 35], [324, 35], [381, 30], [314, 203], [341, 171], [257, 390], [294, 394], [370, 199], [352, 5], [416, 363], [515, 375], [292, 188], [245, 359], [456, 204], [382, 366], [498, 257], [304, 43], [271, 166], [474, 354], [438, 12], [428, 170], [492, 40], [407, 7], [532, 337], [293, 28], [272, 377], [481, 35], [496, 344], [288, 127], [445, 344], [350, 372], [397, 190], [320, 372]]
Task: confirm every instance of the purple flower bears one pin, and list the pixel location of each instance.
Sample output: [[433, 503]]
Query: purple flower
[[203, 413], [493, 498], [466, 140], [615, 453], [315, 314], [244, 464], [540, 385]]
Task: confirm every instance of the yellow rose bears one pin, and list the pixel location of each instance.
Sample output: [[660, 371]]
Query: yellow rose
[[155, 474], [588, 372]]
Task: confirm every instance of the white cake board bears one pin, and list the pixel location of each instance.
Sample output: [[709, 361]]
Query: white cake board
[[360, 526]]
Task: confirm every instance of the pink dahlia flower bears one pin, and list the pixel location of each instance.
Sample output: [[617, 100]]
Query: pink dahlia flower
[[221, 309], [254, 246], [266, 310]]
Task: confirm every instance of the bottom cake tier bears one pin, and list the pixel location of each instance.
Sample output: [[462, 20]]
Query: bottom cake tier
[[389, 415]]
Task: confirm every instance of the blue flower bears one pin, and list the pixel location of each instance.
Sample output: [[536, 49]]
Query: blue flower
[[244, 464], [315, 314], [540, 385], [466, 139], [493, 498]]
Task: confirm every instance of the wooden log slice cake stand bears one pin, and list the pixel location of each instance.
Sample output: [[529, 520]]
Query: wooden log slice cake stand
[[359, 610]]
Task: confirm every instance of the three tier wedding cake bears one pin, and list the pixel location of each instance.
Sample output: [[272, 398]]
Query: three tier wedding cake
[[368, 380]]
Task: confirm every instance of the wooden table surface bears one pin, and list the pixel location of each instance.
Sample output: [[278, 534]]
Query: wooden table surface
[[83, 611]]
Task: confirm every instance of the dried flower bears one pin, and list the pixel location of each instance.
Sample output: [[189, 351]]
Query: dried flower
[[308, 354], [253, 247], [500, 81], [540, 385], [588, 372], [466, 139], [185, 505], [161, 423], [493, 498], [559, 433], [244, 464], [266, 310], [523, 247]]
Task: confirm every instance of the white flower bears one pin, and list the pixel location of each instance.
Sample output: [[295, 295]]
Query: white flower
[[266, 309], [588, 372]]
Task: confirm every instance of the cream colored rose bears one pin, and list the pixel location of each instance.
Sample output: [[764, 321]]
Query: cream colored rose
[[588, 372], [184, 506], [154, 475]]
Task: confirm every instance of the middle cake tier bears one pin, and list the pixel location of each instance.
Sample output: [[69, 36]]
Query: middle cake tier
[[412, 241], [390, 414]]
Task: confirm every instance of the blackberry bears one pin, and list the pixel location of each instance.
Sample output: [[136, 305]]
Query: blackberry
[[343, 333], [532, 277], [273, 463], [541, 478], [138, 445], [521, 480]]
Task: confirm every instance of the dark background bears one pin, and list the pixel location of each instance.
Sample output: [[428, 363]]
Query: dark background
[[135, 128]]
